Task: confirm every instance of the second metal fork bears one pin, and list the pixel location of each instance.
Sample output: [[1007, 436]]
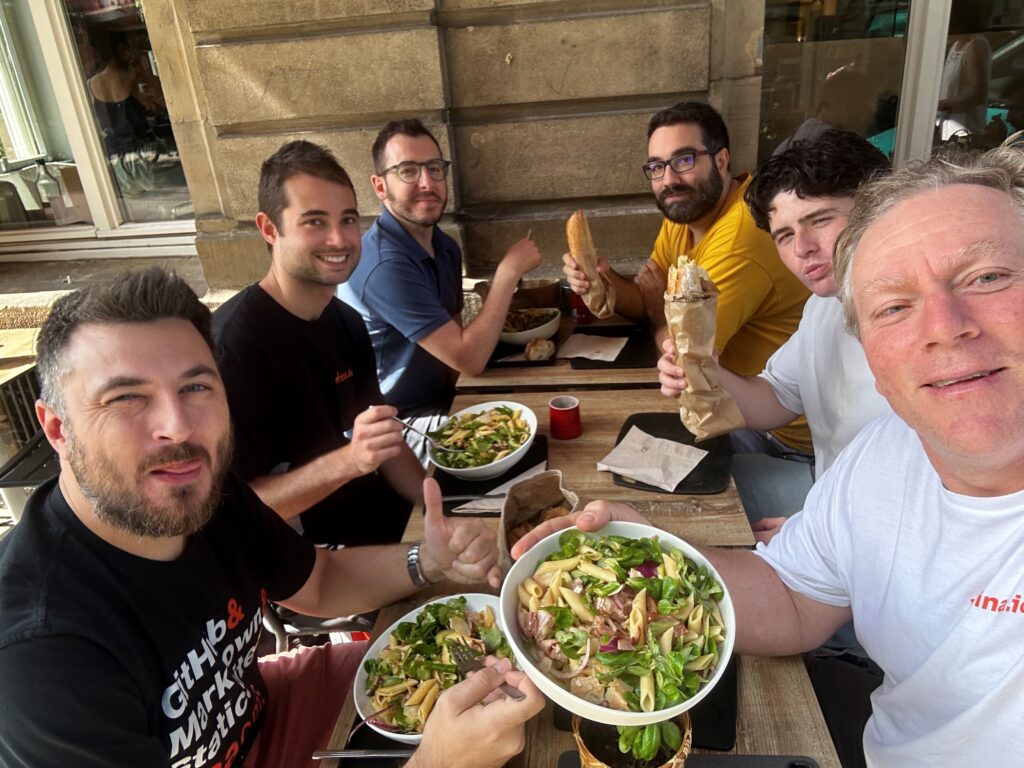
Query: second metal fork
[[467, 660]]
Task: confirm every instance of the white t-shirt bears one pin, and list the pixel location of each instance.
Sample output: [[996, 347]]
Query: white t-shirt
[[822, 373], [935, 580]]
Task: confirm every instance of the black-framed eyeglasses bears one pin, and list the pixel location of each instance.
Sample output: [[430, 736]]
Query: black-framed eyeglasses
[[409, 170], [681, 163]]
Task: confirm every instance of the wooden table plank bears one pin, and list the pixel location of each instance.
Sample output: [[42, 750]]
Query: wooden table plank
[[561, 375], [716, 519]]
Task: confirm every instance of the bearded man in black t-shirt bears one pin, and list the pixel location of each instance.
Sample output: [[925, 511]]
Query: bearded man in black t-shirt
[[132, 590], [313, 435]]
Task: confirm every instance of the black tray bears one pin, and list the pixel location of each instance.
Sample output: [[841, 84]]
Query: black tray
[[711, 475], [640, 350], [507, 350], [451, 485], [367, 738], [572, 760]]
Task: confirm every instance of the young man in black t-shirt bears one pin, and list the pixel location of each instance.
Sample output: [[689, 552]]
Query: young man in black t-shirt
[[131, 591], [313, 436]]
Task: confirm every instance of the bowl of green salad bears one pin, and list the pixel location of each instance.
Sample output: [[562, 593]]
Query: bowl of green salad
[[407, 668], [484, 440], [627, 626]]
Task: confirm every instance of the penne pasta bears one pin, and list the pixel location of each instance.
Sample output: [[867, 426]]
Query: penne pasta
[[597, 572], [428, 703], [524, 597], [532, 587], [647, 693], [420, 692], [550, 566], [575, 602]]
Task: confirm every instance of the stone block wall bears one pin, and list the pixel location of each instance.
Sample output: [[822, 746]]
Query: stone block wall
[[541, 104]]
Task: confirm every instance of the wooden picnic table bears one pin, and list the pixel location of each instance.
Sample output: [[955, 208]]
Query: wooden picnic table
[[777, 712], [716, 519], [560, 374]]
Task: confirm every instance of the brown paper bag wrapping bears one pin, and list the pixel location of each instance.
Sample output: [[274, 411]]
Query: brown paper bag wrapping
[[600, 298], [705, 408], [526, 500]]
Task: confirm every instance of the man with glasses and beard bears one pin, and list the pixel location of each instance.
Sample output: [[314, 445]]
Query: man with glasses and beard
[[132, 590], [760, 301], [408, 285]]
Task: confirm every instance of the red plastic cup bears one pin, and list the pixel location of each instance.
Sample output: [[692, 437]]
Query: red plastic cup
[[564, 417], [581, 314]]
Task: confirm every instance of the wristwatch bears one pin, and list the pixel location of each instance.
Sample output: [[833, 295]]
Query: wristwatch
[[412, 562]]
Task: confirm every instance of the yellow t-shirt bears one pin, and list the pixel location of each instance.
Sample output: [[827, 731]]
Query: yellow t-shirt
[[760, 301]]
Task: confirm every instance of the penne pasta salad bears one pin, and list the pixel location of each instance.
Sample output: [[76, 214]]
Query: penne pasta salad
[[480, 438], [622, 622], [415, 665]]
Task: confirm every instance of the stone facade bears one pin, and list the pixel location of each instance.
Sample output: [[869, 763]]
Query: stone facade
[[541, 104]]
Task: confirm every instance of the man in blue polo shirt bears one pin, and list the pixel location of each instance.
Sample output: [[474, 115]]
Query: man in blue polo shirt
[[408, 284]]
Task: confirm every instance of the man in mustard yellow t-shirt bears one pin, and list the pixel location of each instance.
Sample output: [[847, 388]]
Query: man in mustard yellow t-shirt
[[760, 301]]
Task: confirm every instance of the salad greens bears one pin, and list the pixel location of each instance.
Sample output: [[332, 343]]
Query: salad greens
[[415, 666], [623, 623], [480, 438]]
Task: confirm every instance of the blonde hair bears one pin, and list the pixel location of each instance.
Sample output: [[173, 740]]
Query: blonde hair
[[1001, 169]]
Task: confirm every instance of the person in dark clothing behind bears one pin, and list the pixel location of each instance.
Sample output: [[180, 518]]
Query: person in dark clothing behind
[[313, 435]]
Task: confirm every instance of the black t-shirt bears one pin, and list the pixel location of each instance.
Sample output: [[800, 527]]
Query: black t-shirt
[[295, 388], [109, 659]]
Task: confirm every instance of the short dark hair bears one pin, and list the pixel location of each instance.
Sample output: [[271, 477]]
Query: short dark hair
[[131, 297], [713, 132], [291, 159], [409, 127], [834, 164]]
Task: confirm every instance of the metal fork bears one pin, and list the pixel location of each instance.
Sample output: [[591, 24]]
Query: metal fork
[[434, 444], [468, 660]]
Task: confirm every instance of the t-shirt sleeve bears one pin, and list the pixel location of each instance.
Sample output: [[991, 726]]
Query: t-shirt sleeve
[[743, 284], [783, 369], [67, 702], [395, 290], [366, 363], [807, 552], [664, 249], [282, 557]]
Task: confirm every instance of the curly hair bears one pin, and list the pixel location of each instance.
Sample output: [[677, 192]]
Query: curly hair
[[833, 165]]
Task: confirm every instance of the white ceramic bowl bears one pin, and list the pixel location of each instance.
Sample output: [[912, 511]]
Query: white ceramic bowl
[[495, 468], [474, 602], [528, 563], [545, 331]]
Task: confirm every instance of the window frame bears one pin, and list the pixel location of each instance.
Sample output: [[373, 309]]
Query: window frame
[[109, 234]]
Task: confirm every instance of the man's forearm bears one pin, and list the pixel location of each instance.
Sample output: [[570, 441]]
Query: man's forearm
[[771, 620], [404, 474], [354, 580], [756, 399], [292, 493], [628, 301]]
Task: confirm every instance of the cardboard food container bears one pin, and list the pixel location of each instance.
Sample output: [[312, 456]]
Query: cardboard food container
[[527, 500]]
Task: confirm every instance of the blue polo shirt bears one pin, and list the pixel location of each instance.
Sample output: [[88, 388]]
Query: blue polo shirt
[[404, 295]]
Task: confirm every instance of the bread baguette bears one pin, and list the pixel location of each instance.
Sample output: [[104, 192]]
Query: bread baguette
[[600, 298]]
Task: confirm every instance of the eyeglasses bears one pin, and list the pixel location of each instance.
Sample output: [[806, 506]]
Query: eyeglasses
[[680, 164], [409, 170]]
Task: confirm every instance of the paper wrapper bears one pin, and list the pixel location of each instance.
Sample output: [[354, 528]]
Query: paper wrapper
[[705, 408], [600, 298], [525, 501]]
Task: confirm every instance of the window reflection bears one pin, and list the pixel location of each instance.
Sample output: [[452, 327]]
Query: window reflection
[[123, 82], [832, 63]]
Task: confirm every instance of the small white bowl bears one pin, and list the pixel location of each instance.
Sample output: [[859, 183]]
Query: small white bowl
[[527, 564], [495, 468], [545, 331], [474, 602]]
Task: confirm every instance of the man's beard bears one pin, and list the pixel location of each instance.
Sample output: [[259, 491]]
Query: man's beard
[[403, 210], [703, 197], [119, 504]]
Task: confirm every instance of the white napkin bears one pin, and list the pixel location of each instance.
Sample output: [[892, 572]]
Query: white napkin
[[496, 496], [652, 460], [593, 347]]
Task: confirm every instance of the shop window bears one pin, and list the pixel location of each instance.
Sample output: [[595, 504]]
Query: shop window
[[122, 81]]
